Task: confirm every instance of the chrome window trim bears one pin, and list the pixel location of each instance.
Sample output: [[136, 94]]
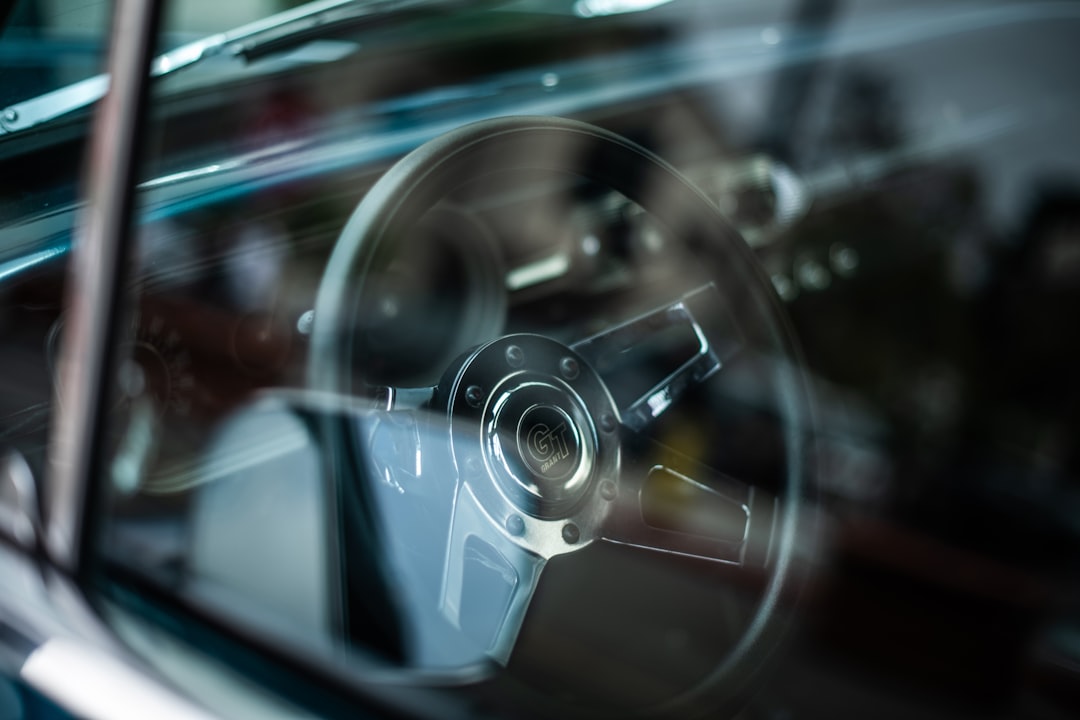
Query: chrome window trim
[[94, 298]]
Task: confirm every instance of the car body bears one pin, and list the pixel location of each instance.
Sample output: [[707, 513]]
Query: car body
[[591, 358]]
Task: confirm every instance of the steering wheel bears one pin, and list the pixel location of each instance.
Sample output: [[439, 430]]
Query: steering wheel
[[541, 449]]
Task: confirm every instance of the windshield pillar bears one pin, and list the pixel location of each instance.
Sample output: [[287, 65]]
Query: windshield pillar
[[95, 297]]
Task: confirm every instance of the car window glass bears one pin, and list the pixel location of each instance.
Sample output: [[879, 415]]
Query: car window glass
[[53, 47], [43, 46], [47, 45], [230, 483], [535, 410]]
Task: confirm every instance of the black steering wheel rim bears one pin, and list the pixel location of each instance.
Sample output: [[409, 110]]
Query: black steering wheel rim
[[424, 176]]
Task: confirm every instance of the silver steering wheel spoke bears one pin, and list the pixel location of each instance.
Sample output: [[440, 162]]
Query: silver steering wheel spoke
[[652, 360], [488, 580], [669, 503]]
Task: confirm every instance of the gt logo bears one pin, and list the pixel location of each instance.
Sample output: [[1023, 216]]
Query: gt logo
[[548, 446]]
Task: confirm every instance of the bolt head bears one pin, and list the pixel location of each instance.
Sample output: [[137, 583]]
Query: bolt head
[[515, 525], [571, 534], [515, 356], [474, 395], [607, 490], [569, 368], [11, 115], [607, 422]]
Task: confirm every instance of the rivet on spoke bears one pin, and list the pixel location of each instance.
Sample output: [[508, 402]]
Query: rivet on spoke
[[569, 368], [515, 525], [607, 422], [607, 490], [515, 356], [571, 534], [474, 395]]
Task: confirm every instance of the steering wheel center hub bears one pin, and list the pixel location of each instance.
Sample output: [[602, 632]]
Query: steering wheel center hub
[[523, 429]]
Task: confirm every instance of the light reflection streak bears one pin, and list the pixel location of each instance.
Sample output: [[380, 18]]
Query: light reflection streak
[[93, 685]]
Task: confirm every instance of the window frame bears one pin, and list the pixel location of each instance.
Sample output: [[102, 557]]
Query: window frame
[[94, 297]]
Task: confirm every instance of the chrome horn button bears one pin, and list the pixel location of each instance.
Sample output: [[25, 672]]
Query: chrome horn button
[[550, 444], [540, 444]]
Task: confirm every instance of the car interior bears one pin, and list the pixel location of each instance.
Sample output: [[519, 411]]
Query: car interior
[[576, 358]]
